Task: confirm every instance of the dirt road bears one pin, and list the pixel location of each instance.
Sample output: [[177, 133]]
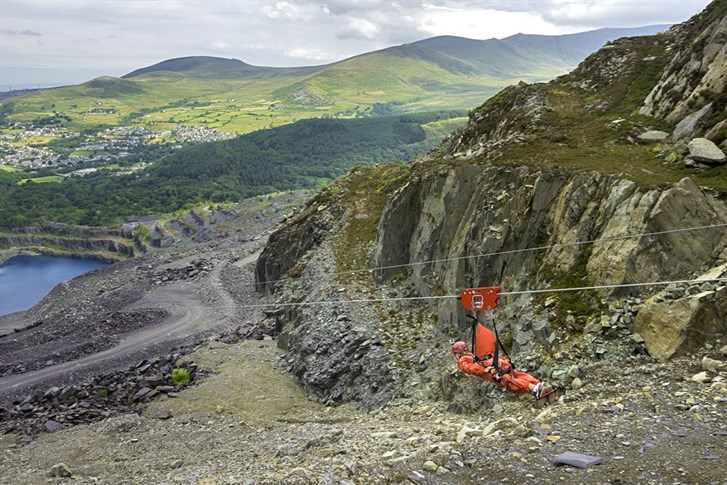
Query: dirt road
[[193, 306]]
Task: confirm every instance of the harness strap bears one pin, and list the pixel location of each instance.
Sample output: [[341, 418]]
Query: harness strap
[[498, 346]]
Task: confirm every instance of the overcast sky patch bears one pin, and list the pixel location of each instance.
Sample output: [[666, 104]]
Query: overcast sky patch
[[130, 34]]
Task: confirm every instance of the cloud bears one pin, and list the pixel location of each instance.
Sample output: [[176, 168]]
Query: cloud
[[20, 32], [313, 55], [291, 12], [481, 23], [356, 27], [220, 46], [614, 13]]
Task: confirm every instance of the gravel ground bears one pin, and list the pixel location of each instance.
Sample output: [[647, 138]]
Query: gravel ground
[[250, 423]]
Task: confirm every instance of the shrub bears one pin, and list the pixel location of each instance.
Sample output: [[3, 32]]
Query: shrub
[[180, 376]]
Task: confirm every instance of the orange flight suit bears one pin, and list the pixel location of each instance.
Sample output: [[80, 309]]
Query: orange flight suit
[[485, 345], [514, 381]]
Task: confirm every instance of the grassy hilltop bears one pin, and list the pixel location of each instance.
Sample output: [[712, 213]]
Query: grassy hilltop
[[440, 73]]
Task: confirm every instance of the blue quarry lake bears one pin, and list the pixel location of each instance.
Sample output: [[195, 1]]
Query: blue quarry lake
[[25, 280]]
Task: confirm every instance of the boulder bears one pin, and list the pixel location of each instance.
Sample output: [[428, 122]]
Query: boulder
[[704, 151], [672, 328], [688, 126], [652, 136], [60, 470]]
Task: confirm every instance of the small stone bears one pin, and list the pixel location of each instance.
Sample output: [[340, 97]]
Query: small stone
[[711, 364], [442, 470], [577, 460], [462, 434], [701, 377], [576, 383], [652, 136], [723, 350], [176, 464], [60, 470], [553, 438], [52, 426], [219, 409], [637, 338], [430, 466], [422, 410], [141, 394]]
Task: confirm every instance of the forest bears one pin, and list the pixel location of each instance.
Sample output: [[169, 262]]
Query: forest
[[306, 154]]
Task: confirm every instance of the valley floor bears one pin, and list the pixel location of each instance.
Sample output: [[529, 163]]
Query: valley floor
[[250, 423]]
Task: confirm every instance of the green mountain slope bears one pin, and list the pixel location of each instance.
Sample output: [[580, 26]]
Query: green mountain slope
[[230, 95]]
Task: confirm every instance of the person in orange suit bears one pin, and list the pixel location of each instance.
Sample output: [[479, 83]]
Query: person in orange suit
[[504, 375]]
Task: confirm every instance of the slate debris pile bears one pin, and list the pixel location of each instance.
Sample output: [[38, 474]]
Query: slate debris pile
[[104, 396], [113, 393], [72, 343], [193, 271]]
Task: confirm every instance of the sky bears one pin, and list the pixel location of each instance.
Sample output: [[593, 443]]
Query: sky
[[55, 42]]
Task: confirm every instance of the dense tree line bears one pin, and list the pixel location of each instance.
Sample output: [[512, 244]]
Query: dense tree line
[[306, 154]]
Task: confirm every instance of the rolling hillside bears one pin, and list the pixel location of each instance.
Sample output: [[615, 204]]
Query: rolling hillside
[[230, 95]]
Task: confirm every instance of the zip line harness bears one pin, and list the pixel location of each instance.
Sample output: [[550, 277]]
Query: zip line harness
[[483, 299]]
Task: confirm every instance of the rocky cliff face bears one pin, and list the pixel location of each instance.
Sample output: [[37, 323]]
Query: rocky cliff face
[[107, 245], [453, 217], [692, 89], [511, 200]]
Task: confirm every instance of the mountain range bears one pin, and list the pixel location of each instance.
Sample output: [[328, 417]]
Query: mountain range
[[230, 95]]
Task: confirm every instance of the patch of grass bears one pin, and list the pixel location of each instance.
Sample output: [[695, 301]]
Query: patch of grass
[[35, 140], [365, 191], [441, 129], [42, 180], [580, 304], [576, 133], [180, 377]]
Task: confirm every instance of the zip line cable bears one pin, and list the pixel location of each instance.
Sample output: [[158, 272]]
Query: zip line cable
[[512, 251], [604, 287], [507, 293]]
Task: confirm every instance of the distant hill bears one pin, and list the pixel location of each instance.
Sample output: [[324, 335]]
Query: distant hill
[[212, 67], [501, 58], [440, 73], [521, 52]]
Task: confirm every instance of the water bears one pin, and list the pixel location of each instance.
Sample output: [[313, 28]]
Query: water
[[25, 280]]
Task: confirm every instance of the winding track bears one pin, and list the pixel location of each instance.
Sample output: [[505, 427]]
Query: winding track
[[188, 315]]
